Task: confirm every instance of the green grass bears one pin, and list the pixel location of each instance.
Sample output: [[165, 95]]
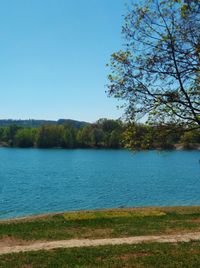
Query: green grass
[[145, 255], [104, 224]]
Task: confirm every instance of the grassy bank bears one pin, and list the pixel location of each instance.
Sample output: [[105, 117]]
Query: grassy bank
[[103, 224], [144, 255]]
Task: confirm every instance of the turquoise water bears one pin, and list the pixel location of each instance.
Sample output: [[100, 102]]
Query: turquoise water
[[34, 181]]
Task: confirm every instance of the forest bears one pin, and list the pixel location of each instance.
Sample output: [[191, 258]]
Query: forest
[[104, 133]]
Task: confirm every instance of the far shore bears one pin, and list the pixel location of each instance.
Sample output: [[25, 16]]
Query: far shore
[[176, 147]]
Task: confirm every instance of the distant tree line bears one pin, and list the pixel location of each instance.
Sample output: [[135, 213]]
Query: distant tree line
[[37, 123], [104, 133]]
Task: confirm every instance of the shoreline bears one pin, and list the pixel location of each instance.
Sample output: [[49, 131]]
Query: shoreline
[[177, 147], [104, 210]]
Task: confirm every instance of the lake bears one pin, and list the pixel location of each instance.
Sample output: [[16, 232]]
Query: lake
[[34, 181]]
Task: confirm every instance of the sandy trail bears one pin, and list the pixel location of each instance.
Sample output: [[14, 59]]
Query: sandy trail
[[47, 245]]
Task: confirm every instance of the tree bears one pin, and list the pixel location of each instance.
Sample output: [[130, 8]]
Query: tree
[[25, 137], [97, 136], [9, 134], [136, 137], [166, 136], [115, 139], [49, 136], [157, 75], [68, 137], [108, 125], [190, 137], [84, 136]]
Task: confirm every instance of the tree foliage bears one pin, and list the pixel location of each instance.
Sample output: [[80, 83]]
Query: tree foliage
[[102, 134], [24, 137], [157, 74]]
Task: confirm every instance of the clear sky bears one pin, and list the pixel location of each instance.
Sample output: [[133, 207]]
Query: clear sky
[[53, 55]]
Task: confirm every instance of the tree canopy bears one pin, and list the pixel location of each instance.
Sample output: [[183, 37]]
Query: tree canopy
[[157, 74], [104, 133]]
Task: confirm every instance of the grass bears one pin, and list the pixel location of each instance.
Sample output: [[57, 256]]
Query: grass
[[144, 255], [104, 224]]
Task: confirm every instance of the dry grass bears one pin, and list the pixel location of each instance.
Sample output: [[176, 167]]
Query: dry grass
[[89, 215]]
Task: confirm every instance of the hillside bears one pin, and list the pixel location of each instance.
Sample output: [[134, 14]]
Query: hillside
[[36, 123]]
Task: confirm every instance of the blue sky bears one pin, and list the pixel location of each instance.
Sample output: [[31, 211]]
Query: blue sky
[[53, 55]]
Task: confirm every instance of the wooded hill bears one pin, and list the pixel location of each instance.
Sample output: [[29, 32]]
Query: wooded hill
[[37, 123]]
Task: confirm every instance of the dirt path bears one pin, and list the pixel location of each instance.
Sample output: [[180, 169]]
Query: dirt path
[[47, 245]]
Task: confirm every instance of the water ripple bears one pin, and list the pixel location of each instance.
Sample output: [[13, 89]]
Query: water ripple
[[38, 181]]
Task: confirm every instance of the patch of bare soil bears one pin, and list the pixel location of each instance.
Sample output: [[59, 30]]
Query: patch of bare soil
[[12, 242], [195, 220]]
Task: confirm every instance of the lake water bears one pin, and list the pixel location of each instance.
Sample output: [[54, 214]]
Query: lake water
[[34, 181]]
